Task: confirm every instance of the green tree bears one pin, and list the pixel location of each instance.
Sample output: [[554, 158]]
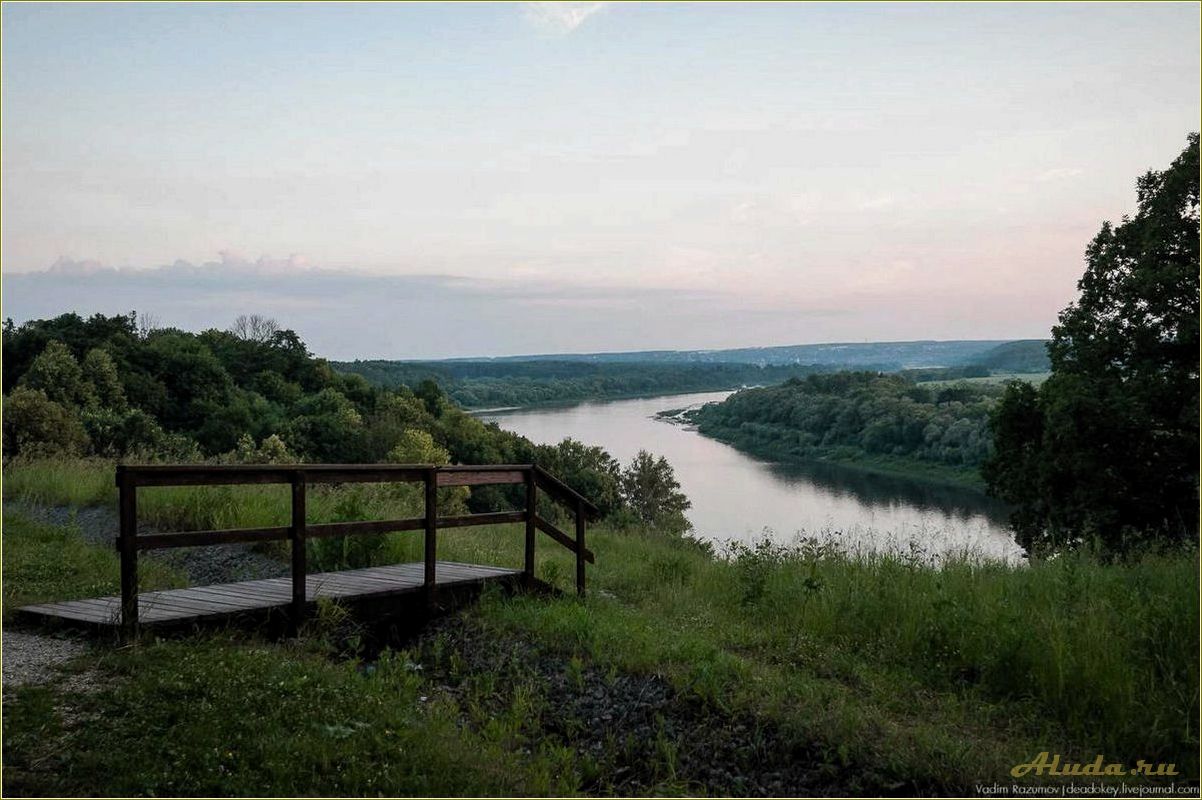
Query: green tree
[[417, 447], [100, 371], [1107, 448], [35, 425], [57, 374], [650, 489]]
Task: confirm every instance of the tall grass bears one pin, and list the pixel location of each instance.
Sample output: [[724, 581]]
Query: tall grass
[[974, 660], [1095, 657]]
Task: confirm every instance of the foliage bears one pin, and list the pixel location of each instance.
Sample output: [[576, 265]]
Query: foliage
[[846, 415], [652, 492], [1108, 445], [507, 382], [251, 394], [35, 425]]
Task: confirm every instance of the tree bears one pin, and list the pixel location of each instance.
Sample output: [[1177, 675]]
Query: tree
[[101, 372], [255, 328], [35, 425], [650, 488], [1107, 448], [56, 373]]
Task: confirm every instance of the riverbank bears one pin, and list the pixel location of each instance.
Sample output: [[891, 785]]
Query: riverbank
[[779, 671], [555, 404], [913, 468]]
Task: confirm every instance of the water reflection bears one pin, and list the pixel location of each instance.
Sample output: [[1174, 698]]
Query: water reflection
[[738, 497]]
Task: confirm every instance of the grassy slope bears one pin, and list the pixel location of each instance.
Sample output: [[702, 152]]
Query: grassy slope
[[899, 674]]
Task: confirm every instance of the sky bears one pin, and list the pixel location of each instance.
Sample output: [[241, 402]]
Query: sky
[[425, 180]]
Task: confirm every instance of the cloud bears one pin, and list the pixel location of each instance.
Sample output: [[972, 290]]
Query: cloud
[[560, 18]]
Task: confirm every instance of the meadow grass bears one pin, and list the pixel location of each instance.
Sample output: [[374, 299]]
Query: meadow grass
[[936, 676], [52, 562]]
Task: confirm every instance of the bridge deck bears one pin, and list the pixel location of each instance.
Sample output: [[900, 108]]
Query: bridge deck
[[176, 606]]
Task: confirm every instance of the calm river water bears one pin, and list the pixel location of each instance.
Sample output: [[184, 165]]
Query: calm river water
[[736, 496]]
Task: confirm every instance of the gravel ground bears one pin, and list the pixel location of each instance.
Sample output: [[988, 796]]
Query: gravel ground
[[33, 658], [30, 658], [203, 565]]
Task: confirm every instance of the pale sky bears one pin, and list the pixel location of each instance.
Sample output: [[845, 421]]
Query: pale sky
[[434, 180]]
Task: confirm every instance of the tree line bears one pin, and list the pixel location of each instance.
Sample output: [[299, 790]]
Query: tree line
[[503, 383], [856, 414], [108, 387]]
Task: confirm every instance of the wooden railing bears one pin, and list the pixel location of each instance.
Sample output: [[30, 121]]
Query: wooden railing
[[130, 478]]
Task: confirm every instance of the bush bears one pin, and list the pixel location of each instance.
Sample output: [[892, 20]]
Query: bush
[[35, 425]]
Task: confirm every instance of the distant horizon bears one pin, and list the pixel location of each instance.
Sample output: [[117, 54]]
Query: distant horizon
[[201, 306], [551, 355]]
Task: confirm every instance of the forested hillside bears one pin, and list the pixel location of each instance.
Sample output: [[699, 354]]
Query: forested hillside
[[497, 382], [537, 380], [856, 416], [105, 387]]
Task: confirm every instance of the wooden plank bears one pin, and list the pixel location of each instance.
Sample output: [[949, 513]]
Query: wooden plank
[[213, 475], [531, 530], [299, 568], [234, 474], [479, 477], [431, 548], [205, 599], [127, 542], [499, 518], [220, 600], [216, 595], [580, 548], [327, 529], [159, 541], [486, 467], [561, 537], [374, 473]]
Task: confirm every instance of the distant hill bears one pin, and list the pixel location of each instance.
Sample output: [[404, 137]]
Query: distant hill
[[1024, 355], [886, 356], [564, 378]]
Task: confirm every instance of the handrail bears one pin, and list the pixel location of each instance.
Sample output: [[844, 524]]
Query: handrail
[[131, 477], [566, 493]]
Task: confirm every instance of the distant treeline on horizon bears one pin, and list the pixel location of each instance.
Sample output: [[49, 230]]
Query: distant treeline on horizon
[[531, 380]]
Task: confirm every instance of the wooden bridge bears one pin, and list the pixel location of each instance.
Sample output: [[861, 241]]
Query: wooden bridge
[[297, 594]]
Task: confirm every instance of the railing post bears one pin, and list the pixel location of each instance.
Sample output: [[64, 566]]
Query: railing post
[[127, 542], [431, 549], [580, 547], [531, 510], [299, 567]]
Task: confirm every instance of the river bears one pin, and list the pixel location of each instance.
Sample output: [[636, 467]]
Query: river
[[739, 497]]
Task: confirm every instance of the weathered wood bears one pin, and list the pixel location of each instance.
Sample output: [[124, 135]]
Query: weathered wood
[[328, 529], [299, 566], [233, 474], [531, 529], [580, 548], [128, 520], [561, 537], [160, 541], [561, 491], [497, 518], [479, 478], [176, 606], [431, 547], [128, 608]]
